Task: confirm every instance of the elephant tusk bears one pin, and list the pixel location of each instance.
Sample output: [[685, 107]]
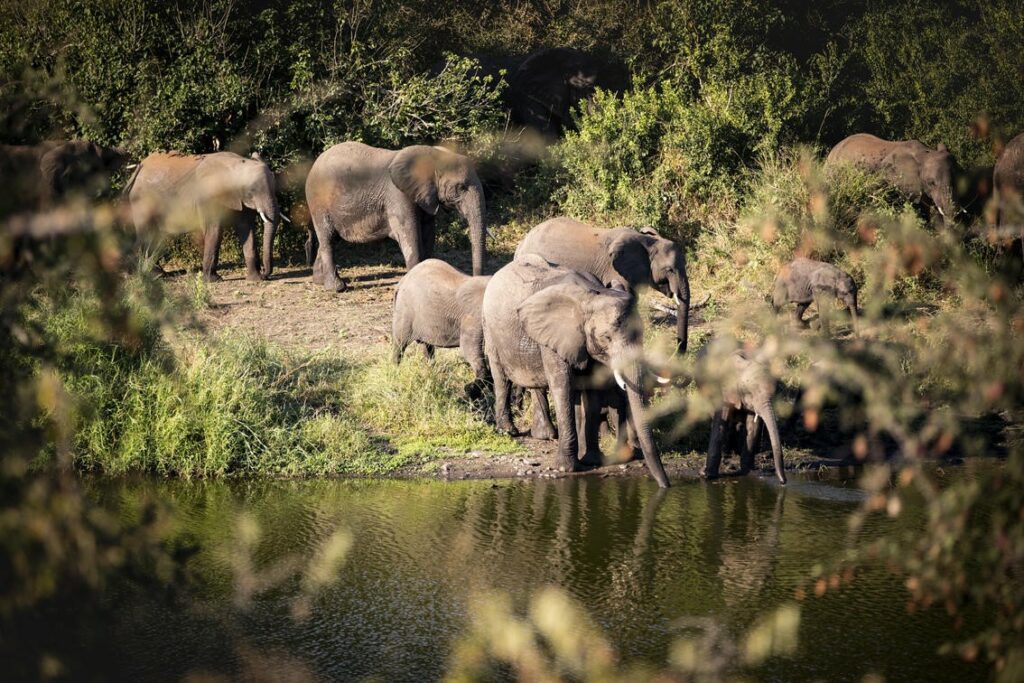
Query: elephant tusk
[[662, 380], [285, 218], [941, 212], [263, 216], [675, 298], [619, 379]]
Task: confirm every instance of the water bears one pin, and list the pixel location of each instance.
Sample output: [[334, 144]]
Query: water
[[638, 558]]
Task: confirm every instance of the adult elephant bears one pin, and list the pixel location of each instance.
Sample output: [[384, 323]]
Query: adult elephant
[[548, 84], [544, 327], [1008, 179], [924, 174], [198, 193], [619, 257], [38, 176], [364, 194]]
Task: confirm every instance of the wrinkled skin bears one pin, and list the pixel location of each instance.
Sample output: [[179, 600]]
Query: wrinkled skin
[[1008, 178], [744, 389], [37, 177], [173, 193], [620, 257], [364, 194], [548, 84], [439, 306], [924, 174], [803, 281], [546, 327]]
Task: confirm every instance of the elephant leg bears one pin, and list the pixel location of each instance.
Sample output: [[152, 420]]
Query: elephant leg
[[560, 384], [325, 257], [428, 229], [824, 304], [398, 350], [247, 241], [428, 351], [541, 427], [714, 459], [750, 444], [798, 314], [211, 250], [502, 407], [590, 411], [471, 344], [405, 229]]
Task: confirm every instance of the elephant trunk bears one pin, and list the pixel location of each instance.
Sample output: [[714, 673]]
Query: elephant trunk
[[767, 415], [270, 216], [643, 430], [474, 210], [682, 296], [947, 208]]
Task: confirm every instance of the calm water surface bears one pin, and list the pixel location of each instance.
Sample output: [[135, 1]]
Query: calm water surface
[[639, 559]]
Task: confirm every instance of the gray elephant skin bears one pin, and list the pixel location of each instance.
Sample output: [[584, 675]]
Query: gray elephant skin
[[745, 389], [923, 173], [544, 327], [38, 176], [619, 257], [1008, 179], [365, 194], [803, 281], [439, 306], [199, 193]]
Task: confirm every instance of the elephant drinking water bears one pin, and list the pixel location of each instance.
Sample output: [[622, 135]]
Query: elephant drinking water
[[545, 326]]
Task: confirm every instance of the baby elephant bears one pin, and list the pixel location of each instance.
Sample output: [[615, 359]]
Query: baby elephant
[[802, 281], [747, 389], [439, 306]]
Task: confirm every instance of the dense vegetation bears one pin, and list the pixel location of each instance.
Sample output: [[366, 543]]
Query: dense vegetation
[[717, 142]]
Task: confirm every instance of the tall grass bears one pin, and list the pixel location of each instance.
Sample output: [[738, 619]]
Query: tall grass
[[217, 405]]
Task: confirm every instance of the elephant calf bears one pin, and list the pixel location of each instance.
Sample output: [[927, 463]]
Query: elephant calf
[[803, 281], [745, 389], [439, 306]]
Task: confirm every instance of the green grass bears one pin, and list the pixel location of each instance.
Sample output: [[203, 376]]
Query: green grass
[[212, 405]]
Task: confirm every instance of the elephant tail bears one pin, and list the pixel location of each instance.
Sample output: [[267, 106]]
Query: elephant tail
[[131, 180]]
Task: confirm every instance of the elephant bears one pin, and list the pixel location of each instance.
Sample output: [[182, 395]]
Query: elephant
[[803, 280], [548, 84], [1008, 179], [197, 192], [619, 257], [743, 389], [923, 173], [364, 194], [545, 326], [439, 306], [38, 176]]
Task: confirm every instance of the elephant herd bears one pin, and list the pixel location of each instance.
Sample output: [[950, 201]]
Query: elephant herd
[[559, 320]]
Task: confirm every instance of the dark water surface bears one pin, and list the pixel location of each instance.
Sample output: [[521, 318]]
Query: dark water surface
[[638, 558]]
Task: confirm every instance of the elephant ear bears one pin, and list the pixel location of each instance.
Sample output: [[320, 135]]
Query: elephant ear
[[629, 256], [904, 171], [413, 171], [554, 319], [218, 184]]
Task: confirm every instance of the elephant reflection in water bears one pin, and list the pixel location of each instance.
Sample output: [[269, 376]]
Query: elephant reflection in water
[[747, 544]]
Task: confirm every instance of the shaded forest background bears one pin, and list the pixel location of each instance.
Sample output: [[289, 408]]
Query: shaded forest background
[[716, 85]]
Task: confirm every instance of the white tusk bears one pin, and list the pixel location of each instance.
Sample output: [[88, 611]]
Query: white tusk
[[285, 218], [130, 167], [941, 212], [263, 216], [662, 380], [619, 380], [675, 297]]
